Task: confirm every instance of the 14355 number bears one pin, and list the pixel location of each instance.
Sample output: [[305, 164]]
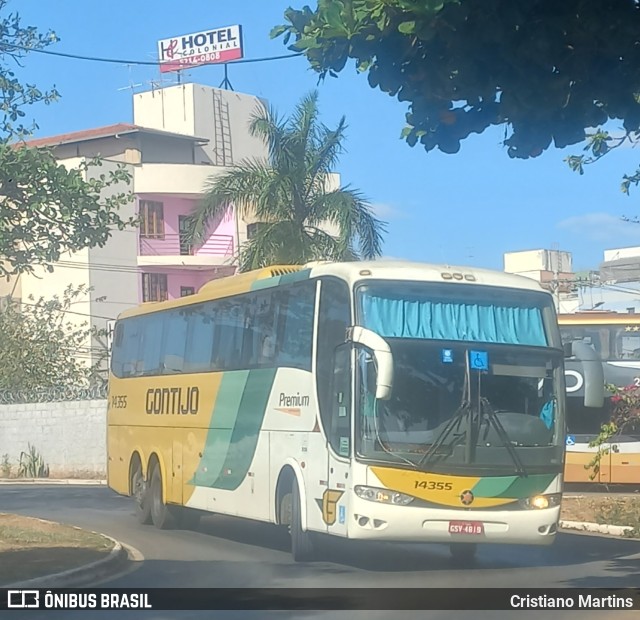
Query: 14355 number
[[433, 486], [119, 402]]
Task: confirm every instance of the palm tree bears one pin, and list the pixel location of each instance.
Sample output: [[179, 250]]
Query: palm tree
[[288, 194]]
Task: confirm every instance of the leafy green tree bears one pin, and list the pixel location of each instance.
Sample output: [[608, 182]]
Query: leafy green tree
[[548, 71], [289, 195], [45, 209], [41, 348]]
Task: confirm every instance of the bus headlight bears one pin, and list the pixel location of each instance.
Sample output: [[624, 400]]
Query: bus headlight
[[384, 496], [540, 502]]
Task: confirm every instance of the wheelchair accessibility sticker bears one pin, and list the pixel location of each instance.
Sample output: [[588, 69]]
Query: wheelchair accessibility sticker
[[479, 360]]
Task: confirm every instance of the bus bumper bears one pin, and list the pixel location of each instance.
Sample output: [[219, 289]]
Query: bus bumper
[[372, 521]]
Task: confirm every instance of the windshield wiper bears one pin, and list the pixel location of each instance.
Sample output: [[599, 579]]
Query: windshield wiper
[[431, 455], [487, 412], [465, 412]]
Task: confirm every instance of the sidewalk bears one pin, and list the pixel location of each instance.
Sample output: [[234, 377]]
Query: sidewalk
[[40, 553]]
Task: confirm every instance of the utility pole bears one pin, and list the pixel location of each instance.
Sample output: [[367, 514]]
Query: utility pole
[[556, 273]]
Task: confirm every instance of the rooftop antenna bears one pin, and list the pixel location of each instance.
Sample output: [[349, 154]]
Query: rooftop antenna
[[132, 88], [161, 79], [131, 85]]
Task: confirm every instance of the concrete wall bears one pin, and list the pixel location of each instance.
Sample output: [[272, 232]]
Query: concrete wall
[[161, 150], [70, 436], [168, 109], [189, 109], [113, 270], [112, 148], [182, 179]]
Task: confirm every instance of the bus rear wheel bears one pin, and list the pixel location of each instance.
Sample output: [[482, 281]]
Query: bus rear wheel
[[302, 547], [162, 515], [463, 553], [139, 490]]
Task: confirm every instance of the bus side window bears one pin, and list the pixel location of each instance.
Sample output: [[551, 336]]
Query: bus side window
[[124, 359], [340, 425]]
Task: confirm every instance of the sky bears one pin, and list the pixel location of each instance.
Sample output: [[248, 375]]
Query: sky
[[466, 209]]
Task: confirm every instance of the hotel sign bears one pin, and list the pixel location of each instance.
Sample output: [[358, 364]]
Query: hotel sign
[[200, 48]]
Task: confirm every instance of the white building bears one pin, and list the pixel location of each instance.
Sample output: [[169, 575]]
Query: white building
[[181, 136], [618, 285], [553, 269]]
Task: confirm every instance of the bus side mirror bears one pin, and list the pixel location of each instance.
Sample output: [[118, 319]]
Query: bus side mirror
[[568, 349], [593, 374], [381, 354]]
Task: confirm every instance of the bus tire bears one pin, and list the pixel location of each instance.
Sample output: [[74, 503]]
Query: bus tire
[[302, 547], [463, 553], [162, 515], [140, 493]]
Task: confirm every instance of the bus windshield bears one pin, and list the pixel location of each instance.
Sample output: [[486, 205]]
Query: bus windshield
[[611, 342], [432, 335]]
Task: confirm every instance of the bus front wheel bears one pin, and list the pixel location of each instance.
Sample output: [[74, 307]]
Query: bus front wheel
[[139, 490], [162, 515], [302, 547]]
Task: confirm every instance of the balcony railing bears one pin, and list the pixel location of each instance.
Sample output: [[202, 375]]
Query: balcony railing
[[174, 244]]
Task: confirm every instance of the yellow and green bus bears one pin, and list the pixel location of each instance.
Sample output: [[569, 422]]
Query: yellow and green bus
[[384, 401], [605, 350]]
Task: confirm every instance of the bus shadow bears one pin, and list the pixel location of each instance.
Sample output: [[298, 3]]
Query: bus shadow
[[568, 549], [606, 489]]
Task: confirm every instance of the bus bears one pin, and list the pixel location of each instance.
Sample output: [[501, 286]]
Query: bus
[[380, 401], [605, 350]]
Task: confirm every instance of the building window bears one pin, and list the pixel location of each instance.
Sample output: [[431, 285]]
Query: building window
[[151, 219], [185, 291], [154, 287], [252, 229], [183, 235]]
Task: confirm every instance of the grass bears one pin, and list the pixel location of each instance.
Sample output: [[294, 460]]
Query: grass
[[608, 510], [32, 548]]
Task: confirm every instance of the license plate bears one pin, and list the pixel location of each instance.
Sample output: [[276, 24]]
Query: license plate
[[474, 528]]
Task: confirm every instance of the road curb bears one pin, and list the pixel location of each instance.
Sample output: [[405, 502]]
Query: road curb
[[596, 528], [81, 575], [52, 481]]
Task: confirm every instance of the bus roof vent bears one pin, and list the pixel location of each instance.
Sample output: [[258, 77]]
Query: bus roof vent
[[272, 272]]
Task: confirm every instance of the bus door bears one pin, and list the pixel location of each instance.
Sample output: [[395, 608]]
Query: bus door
[[335, 501], [624, 460]]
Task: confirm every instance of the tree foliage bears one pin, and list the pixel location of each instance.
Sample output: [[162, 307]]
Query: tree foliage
[[289, 195], [549, 71], [625, 418], [41, 348], [45, 209]]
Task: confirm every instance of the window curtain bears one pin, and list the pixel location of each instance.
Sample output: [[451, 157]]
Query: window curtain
[[439, 320]]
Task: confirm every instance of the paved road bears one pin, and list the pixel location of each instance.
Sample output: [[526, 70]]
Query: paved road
[[226, 552]]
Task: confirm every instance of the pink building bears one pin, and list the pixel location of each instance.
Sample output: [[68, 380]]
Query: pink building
[[169, 266], [167, 185]]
